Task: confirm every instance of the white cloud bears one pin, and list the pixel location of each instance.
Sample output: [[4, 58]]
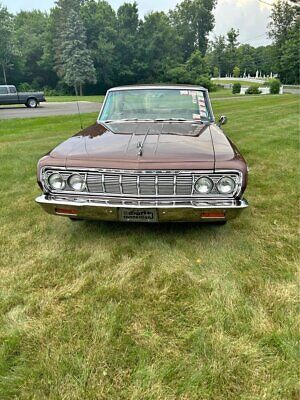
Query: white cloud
[[251, 17]]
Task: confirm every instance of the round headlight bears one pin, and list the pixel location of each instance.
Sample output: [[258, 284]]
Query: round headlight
[[77, 182], [226, 185], [56, 182], [204, 185]]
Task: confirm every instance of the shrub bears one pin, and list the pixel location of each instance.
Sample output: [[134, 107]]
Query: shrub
[[178, 74], [236, 88], [51, 92], [253, 90], [206, 82], [25, 87], [274, 86]]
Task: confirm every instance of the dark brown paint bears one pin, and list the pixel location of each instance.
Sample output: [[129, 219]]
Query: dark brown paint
[[99, 147]]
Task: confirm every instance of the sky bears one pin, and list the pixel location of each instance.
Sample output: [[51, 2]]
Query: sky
[[249, 16]]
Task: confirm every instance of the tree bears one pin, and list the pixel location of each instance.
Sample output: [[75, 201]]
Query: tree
[[127, 43], [236, 72], [31, 43], [7, 41], [196, 65], [216, 72], [284, 29], [289, 60], [158, 47], [231, 49], [100, 22], [265, 59], [58, 17], [194, 20], [219, 54], [77, 64], [194, 71], [283, 18], [246, 59]]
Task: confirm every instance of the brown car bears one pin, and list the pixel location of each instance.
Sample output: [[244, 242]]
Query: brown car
[[155, 154]]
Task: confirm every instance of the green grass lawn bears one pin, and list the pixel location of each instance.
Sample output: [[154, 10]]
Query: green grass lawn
[[221, 93], [92, 310], [96, 99]]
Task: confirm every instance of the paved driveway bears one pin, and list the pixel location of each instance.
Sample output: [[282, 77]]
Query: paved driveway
[[291, 89], [48, 109]]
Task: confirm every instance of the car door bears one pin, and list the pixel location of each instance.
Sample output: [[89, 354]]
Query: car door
[[13, 97], [4, 95]]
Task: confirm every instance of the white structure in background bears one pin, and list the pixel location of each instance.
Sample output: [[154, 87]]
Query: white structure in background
[[247, 79], [258, 79], [263, 89]]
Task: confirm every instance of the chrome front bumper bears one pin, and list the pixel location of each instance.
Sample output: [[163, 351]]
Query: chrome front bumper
[[181, 210]]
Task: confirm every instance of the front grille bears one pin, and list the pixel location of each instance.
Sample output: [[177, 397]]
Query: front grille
[[143, 184], [140, 185]]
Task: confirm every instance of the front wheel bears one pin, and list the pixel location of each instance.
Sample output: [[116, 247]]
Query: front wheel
[[31, 103]]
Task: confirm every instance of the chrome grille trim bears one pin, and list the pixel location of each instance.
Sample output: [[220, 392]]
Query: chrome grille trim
[[135, 203], [143, 184]]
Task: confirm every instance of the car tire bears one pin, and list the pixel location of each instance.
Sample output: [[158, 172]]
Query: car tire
[[32, 103]]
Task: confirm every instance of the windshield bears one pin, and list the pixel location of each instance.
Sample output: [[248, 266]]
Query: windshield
[[155, 104]]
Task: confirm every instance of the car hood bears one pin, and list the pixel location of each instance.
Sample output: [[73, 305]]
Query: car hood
[[117, 145]]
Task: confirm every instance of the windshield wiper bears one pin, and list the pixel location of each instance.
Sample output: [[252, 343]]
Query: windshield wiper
[[170, 119], [137, 119]]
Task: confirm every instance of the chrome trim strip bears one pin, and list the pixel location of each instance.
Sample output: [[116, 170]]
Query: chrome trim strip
[[211, 204]]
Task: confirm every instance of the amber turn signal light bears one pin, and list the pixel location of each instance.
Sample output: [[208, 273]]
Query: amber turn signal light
[[66, 211], [213, 215]]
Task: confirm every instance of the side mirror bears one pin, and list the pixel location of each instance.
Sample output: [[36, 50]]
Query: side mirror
[[222, 120]]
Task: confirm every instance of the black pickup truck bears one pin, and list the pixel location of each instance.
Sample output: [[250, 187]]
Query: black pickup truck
[[9, 95]]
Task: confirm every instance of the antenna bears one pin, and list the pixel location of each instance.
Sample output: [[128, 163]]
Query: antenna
[[78, 109]]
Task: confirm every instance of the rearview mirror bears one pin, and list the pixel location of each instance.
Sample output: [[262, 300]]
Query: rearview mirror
[[222, 120]]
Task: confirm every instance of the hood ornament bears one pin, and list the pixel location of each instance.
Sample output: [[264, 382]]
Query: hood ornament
[[140, 149], [141, 145]]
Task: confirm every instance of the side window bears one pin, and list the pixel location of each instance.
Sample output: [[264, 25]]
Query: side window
[[12, 89], [3, 90]]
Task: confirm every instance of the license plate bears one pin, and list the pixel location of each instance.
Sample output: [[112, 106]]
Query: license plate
[[138, 215]]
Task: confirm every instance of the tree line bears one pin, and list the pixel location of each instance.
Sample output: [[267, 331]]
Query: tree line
[[87, 45]]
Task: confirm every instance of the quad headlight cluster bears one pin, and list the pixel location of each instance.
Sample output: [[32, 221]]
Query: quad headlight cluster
[[225, 185], [74, 182]]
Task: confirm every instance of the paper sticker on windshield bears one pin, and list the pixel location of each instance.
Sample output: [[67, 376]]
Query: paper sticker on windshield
[[184, 92], [202, 108], [197, 117]]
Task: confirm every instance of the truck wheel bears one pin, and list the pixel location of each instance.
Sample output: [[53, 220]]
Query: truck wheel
[[31, 103]]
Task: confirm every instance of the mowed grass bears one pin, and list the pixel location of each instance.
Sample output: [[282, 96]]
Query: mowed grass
[[92, 310], [60, 99]]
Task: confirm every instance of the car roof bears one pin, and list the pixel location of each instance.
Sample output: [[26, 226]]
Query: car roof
[[157, 86]]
